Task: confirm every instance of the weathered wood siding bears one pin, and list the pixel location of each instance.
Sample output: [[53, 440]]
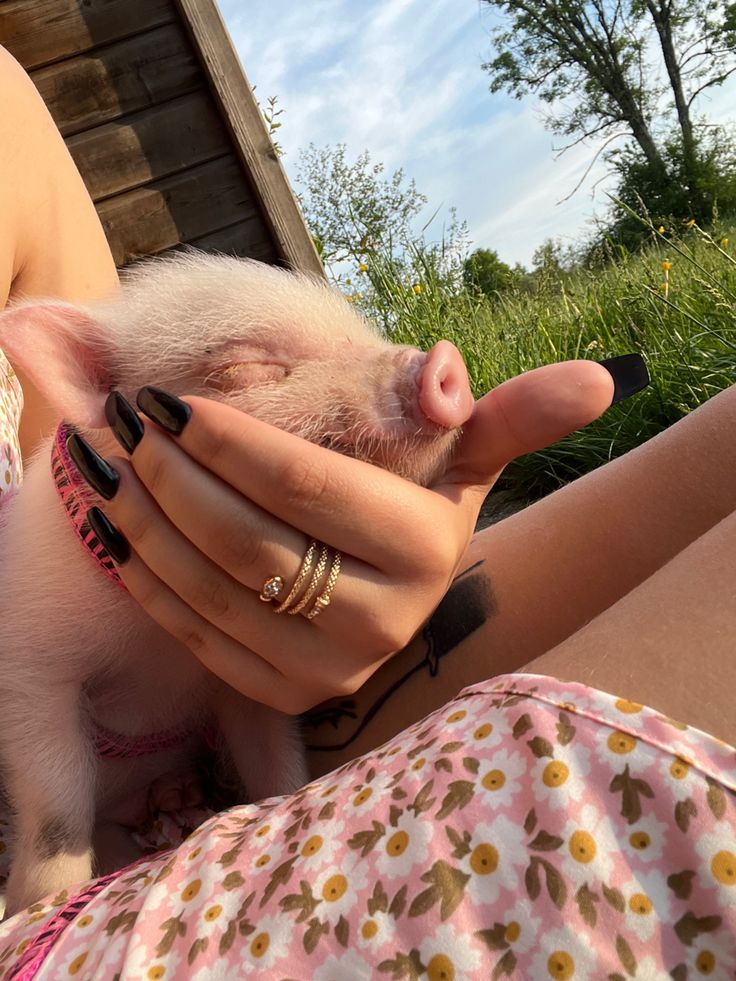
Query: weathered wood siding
[[161, 122]]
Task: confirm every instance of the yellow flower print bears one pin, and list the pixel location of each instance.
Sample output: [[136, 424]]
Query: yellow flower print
[[448, 955], [723, 867], [646, 905], [705, 962], [482, 732], [521, 929], [338, 889], [561, 780], [334, 888], [456, 716], [259, 945], [499, 780], [494, 780], [156, 972], [397, 844], [621, 743], [213, 912], [645, 840], [484, 859], [565, 954], [582, 846], [374, 930], [440, 968], [191, 891], [497, 849], [678, 769], [312, 845], [404, 846], [77, 964], [268, 943], [627, 707], [589, 846], [555, 773], [560, 965]]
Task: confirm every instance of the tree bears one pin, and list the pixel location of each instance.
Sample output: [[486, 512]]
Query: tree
[[484, 272], [351, 208], [592, 62]]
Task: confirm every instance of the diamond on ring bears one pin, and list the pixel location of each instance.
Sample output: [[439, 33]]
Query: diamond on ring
[[272, 589]]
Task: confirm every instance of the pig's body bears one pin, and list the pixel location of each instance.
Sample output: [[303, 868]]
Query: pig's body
[[76, 651]]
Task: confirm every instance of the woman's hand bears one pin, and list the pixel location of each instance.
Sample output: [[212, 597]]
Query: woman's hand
[[210, 514]]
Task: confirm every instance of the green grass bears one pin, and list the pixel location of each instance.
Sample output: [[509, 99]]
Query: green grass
[[688, 338]]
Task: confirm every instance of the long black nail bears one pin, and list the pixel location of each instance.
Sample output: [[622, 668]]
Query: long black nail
[[126, 426], [165, 409], [95, 469], [113, 542], [629, 373]]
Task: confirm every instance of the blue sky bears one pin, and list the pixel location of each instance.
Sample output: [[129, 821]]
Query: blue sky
[[402, 79]]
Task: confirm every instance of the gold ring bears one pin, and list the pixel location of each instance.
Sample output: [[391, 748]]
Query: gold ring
[[314, 584], [323, 600], [272, 589], [304, 570]]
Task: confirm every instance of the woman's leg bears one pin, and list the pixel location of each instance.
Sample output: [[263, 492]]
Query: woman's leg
[[670, 643], [536, 578]]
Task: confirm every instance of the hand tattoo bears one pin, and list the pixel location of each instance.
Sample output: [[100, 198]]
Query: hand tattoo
[[468, 603]]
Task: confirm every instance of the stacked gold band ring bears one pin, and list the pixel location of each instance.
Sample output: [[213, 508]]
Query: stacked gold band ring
[[313, 584]]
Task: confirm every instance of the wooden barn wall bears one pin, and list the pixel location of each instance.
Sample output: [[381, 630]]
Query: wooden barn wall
[[125, 86]]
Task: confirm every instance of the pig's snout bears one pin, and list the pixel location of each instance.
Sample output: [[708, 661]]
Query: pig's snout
[[444, 394]]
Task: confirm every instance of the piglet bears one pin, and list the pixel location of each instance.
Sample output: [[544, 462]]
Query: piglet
[[78, 657]]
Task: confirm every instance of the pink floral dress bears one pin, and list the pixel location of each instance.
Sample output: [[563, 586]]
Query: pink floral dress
[[529, 829]]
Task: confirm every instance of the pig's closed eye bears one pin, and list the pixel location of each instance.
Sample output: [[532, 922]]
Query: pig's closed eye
[[244, 374]]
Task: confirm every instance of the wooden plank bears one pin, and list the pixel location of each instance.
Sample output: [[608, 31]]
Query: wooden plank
[[120, 78], [37, 32], [245, 239], [248, 127], [182, 208], [148, 145]]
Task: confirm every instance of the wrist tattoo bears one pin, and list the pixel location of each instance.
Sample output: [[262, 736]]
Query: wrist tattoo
[[468, 603]]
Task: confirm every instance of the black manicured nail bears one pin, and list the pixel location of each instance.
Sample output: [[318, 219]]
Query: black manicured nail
[[95, 469], [126, 426], [629, 373], [113, 542], [166, 410]]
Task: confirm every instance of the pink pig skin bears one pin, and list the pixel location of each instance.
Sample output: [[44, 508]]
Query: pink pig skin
[[74, 648]]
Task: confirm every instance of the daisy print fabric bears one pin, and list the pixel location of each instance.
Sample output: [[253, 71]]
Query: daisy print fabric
[[528, 829]]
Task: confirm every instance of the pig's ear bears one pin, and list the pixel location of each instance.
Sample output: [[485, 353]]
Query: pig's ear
[[65, 353]]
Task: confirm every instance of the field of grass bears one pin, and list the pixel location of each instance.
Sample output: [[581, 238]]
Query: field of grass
[[674, 304]]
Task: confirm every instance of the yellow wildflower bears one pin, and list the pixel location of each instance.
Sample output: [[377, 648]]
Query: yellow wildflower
[[416, 288], [724, 243], [666, 265], [690, 223], [661, 229], [362, 267]]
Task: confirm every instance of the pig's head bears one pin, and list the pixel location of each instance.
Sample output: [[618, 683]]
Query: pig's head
[[283, 347]]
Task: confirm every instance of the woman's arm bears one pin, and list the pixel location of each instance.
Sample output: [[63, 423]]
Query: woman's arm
[[52, 243]]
